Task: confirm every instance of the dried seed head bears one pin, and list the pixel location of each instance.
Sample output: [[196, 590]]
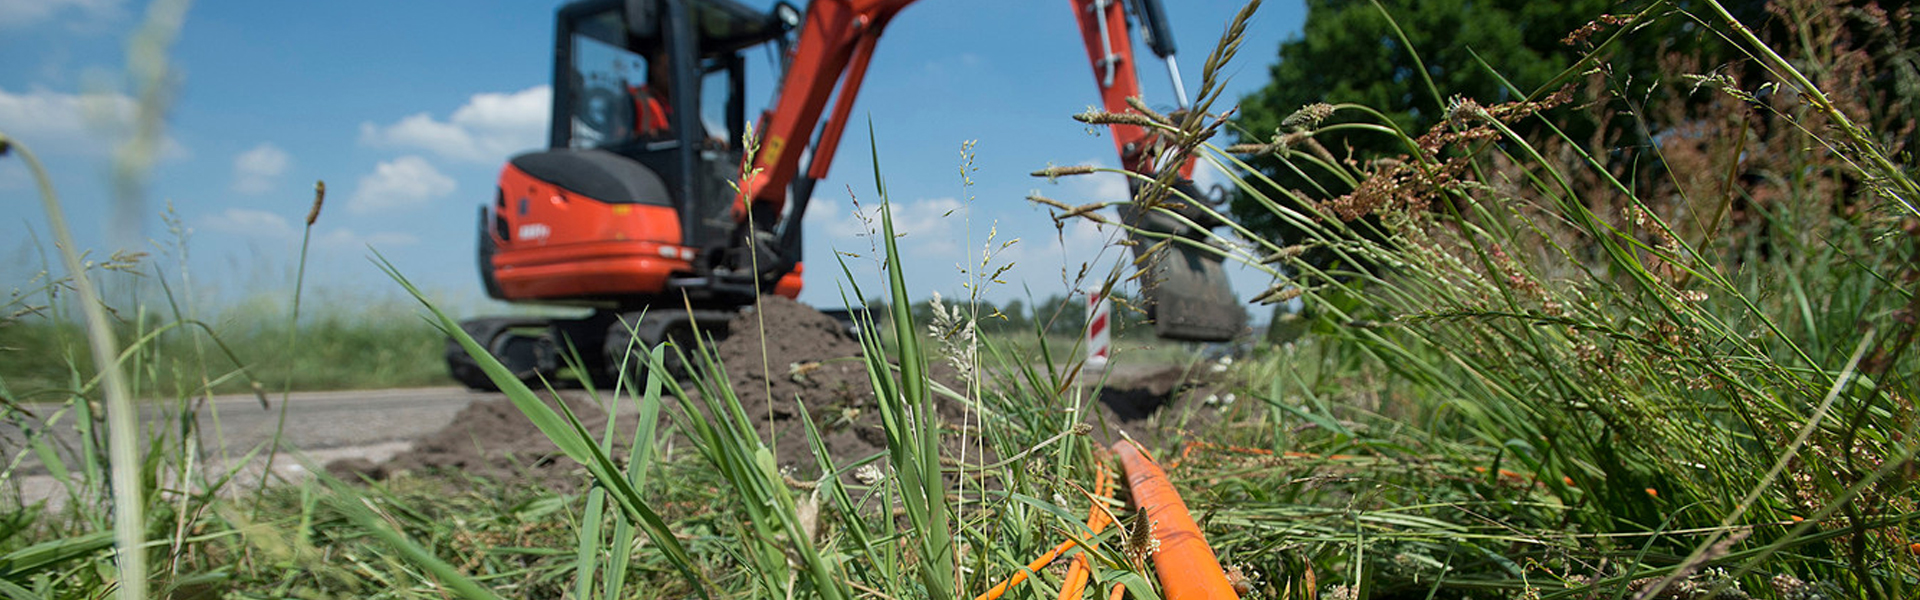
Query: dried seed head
[[1101, 117], [1340, 591], [1242, 582], [1086, 211], [1285, 254], [1053, 172], [1036, 198], [1461, 108], [1141, 544], [1082, 429], [319, 198], [1290, 140], [1308, 117], [1792, 588], [1141, 106], [1280, 292]]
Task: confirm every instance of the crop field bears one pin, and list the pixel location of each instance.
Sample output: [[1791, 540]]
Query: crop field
[[1639, 328]]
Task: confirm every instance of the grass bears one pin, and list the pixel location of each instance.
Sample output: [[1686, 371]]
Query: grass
[[1526, 375], [379, 344]]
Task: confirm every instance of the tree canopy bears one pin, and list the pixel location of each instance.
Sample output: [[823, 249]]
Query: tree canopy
[[1358, 52]]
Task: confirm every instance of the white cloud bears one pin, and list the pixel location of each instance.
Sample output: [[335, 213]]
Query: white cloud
[[402, 183], [20, 13], [260, 224], [934, 226], [1078, 246], [55, 123], [342, 238], [255, 171], [1094, 187], [487, 129], [249, 222]]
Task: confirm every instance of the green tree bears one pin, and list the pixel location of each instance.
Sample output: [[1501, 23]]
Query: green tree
[[1062, 314], [1352, 52]]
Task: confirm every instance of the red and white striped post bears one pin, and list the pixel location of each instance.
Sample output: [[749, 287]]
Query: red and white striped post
[[1099, 334]]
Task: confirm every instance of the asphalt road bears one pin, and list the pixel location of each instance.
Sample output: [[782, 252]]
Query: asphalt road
[[321, 426], [314, 420]]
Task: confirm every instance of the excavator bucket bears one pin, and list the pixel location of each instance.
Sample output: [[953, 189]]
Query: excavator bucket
[[1185, 288]]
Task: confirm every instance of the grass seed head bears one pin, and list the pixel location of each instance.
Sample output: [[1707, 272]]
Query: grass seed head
[[1280, 292], [1055, 172], [1141, 544], [869, 474], [1101, 117], [319, 198], [1461, 109], [1141, 105], [1285, 254], [1039, 199], [1308, 117]]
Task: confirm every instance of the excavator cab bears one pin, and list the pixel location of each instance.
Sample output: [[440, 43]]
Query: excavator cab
[[630, 202], [630, 205]]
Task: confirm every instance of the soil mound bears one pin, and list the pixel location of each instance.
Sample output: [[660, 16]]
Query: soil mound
[[803, 360], [812, 362], [491, 439], [809, 361]]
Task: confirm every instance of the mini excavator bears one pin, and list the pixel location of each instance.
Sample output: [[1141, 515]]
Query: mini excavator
[[638, 202]]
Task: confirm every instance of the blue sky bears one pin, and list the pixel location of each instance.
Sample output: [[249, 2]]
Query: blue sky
[[407, 110]]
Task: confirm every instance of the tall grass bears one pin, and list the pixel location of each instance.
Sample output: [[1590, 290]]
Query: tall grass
[[377, 344], [1530, 373], [1558, 376]]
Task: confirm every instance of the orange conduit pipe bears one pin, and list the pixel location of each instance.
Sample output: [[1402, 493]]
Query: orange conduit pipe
[[1187, 568], [1080, 569], [1105, 487]]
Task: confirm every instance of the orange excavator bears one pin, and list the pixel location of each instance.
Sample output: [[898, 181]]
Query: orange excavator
[[639, 201]]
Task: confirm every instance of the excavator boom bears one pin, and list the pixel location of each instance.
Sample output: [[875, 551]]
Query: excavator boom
[[1188, 291]]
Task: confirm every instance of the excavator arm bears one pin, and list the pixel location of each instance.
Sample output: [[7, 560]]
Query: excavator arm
[[836, 44], [1185, 290], [1188, 292]]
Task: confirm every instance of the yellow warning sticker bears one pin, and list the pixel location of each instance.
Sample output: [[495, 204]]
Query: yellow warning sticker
[[772, 152]]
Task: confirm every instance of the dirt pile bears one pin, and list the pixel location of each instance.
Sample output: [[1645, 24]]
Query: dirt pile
[[491, 439], [804, 359], [810, 361]]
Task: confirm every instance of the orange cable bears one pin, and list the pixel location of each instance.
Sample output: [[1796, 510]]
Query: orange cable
[[1080, 570], [1185, 564], [996, 591]]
